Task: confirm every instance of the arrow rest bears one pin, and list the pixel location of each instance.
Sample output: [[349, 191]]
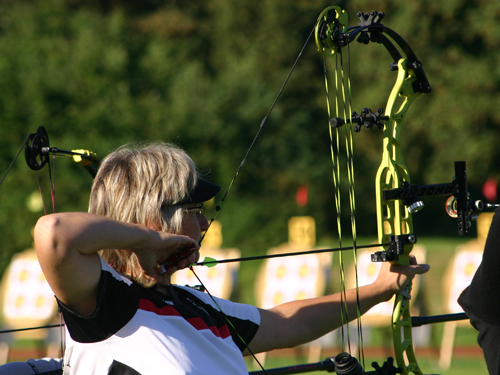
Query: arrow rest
[[34, 153], [396, 248]]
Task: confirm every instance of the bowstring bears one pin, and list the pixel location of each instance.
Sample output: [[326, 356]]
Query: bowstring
[[52, 179], [52, 182], [41, 193], [334, 150], [218, 208], [346, 103], [13, 161], [352, 201]]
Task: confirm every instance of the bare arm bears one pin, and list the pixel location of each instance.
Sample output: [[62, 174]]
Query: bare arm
[[298, 322], [67, 245]]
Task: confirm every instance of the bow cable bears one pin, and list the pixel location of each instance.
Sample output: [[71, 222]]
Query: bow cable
[[13, 161]]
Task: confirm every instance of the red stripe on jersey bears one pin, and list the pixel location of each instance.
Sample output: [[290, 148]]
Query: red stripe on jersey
[[197, 322], [147, 305]]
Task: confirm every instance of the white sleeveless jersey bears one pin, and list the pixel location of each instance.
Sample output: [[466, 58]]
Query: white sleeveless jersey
[[136, 330]]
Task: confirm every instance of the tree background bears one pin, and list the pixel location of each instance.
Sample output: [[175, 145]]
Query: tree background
[[203, 74]]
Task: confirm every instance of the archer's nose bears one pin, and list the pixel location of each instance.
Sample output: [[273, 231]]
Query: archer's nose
[[203, 222]]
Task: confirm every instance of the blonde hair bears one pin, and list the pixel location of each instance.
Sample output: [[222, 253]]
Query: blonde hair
[[141, 184]]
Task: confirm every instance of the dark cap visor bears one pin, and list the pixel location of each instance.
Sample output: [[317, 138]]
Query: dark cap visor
[[202, 192]]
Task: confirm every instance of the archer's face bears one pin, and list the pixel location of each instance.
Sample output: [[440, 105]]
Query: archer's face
[[194, 222]]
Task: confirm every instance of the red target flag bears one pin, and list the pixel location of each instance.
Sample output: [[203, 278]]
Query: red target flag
[[489, 190], [302, 195]]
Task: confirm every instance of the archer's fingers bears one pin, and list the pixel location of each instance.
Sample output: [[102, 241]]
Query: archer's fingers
[[420, 268], [172, 242], [411, 270], [184, 241], [183, 263]]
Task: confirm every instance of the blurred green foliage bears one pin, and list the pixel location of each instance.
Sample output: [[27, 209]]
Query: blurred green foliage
[[203, 74]]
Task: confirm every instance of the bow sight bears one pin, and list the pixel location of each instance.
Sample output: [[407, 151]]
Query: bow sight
[[458, 206]]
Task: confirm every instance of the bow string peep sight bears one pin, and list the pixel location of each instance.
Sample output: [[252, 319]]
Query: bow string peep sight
[[37, 151]]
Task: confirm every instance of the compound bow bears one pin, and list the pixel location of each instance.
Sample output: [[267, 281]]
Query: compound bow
[[396, 198]]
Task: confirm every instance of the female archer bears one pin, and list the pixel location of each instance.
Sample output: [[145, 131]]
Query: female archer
[[110, 271]]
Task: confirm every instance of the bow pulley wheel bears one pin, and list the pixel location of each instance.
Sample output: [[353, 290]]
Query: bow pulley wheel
[[330, 29], [33, 149]]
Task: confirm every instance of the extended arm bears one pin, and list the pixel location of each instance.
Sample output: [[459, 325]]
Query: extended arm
[[298, 322], [67, 246]]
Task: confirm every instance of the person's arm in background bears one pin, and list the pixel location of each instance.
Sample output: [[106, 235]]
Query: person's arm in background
[[481, 300]]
